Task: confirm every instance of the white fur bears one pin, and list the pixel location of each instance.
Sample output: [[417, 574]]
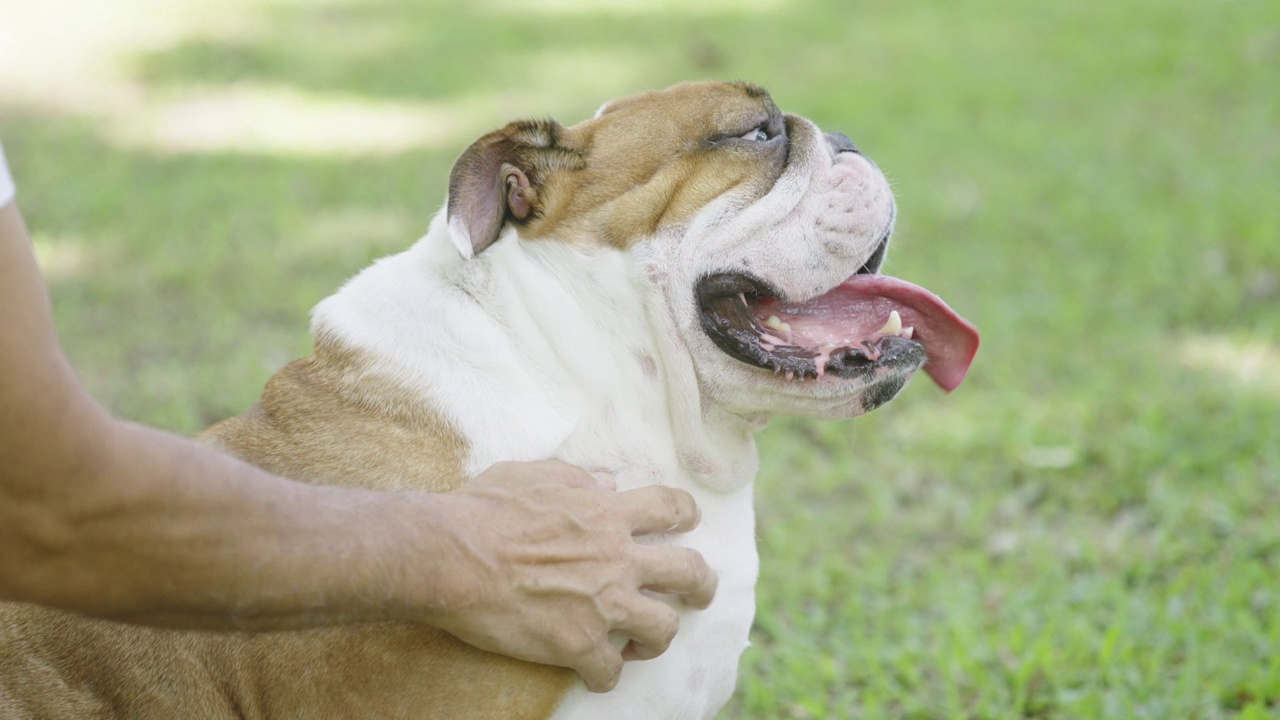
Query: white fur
[[544, 349]]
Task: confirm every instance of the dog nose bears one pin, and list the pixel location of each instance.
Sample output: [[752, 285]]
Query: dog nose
[[841, 143]]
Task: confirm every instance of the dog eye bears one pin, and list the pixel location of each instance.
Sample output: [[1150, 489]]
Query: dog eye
[[760, 134]]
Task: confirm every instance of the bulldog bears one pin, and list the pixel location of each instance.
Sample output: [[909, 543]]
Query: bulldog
[[638, 293]]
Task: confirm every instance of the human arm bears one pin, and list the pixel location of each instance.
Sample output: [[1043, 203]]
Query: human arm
[[115, 520]]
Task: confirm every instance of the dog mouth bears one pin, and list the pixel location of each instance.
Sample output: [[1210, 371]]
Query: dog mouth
[[870, 325]]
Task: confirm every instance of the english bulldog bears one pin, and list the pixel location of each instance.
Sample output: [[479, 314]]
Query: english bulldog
[[638, 293]]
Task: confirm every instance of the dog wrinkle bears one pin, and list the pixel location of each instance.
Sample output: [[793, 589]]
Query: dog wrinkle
[[697, 463], [648, 365]]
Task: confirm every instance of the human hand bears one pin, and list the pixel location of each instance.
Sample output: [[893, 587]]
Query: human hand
[[549, 567]]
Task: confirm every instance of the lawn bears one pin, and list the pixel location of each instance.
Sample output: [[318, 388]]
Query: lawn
[[1088, 528]]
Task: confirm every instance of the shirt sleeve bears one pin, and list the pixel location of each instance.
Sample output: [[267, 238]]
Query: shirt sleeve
[[6, 181]]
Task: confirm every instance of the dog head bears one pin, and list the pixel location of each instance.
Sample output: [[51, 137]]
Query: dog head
[[762, 234]]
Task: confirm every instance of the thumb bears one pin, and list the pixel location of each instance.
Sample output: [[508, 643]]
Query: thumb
[[605, 481], [576, 477]]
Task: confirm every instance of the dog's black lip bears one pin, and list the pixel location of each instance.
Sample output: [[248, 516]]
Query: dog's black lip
[[717, 286], [876, 260]]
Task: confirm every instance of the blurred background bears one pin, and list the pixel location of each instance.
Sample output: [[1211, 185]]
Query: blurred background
[[1088, 528]]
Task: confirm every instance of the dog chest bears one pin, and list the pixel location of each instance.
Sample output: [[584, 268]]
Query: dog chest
[[695, 677]]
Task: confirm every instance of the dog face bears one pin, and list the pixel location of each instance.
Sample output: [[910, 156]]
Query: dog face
[[762, 234]]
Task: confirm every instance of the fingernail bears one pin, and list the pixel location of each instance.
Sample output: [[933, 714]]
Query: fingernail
[[605, 480]]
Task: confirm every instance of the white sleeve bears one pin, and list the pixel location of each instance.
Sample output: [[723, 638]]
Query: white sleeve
[[6, 181]]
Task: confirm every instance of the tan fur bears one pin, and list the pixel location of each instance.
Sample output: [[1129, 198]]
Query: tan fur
[[327, 419], [643, 164]]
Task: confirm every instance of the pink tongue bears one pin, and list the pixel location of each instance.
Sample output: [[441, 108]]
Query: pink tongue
[[950, 340], [855, 311]]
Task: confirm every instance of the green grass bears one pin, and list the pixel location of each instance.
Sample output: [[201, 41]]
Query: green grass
[[1088, 528]]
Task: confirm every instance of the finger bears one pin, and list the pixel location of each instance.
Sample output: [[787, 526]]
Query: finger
[[677, 571], [651, 625], [605, 481], [600, 670], [656, 509], [575, 477], [579, 480], [636, 651]]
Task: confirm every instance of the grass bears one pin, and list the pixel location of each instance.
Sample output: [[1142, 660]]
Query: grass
[[1089, 528]]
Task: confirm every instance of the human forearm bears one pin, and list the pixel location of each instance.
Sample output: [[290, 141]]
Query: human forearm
[[157, 529], [113, 519]]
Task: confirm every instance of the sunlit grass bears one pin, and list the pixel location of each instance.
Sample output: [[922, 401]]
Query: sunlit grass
[[1250, 364], [284, 121], [61, 257], [675, 8], [73, 55]]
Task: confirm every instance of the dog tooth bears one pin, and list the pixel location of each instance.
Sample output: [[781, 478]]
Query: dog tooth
[[907, 332], [893, 325], [774, 322]]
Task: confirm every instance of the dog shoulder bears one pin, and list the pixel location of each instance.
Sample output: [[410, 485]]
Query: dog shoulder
[[332, 418]]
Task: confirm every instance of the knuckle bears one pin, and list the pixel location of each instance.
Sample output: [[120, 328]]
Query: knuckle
[[699, 571], [593, 679], [680, 505], [613, 605], [604, 671], [581, 644], [615, 668]]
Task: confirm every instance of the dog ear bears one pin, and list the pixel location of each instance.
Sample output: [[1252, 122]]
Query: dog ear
[[501, 178]]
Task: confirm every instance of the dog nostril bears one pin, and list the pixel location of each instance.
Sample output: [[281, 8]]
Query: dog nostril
[[841, 143]]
